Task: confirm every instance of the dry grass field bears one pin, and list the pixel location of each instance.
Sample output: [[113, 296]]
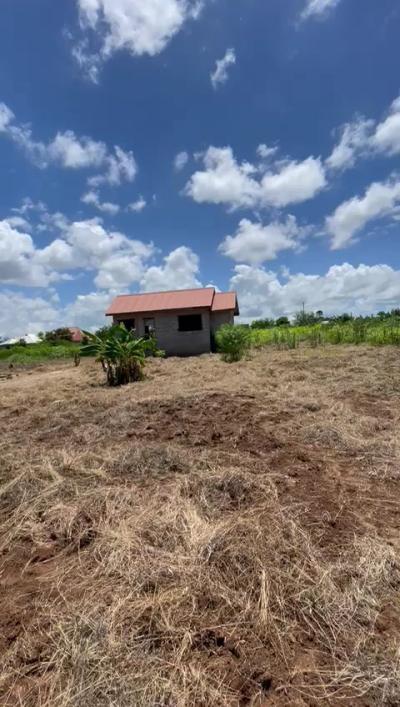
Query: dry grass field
[[214, 535]]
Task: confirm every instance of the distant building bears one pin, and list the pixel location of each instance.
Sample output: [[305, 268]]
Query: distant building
[[27, 338], [76, 334], [182, 321]]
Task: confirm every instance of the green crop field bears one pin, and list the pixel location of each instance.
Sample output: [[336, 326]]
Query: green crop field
[[355, 332], [36, 353]]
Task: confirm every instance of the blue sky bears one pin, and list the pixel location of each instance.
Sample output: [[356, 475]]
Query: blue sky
[[252, 144]]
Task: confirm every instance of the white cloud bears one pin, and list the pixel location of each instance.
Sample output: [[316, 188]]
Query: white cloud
[[76, 153], [265, 152], [387, 135], [318, 8], [132, 25], [179, 271], [28, 204], [17, 263], [344, 288], [225, 181], [94, 248], [293, 183], [138, 205], [354, 140], [92, 198], [220, 75], [6, 116], [71, 152], [181, 160], [380, 200], [21, 315], [367, 138], [116, 260], [254, 243], [88, 311]]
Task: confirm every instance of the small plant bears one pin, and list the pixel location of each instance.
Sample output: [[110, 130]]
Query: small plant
[[120, 353], [233, 341]]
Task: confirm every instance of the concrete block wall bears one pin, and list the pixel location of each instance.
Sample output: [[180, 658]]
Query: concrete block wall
[[169, 338]]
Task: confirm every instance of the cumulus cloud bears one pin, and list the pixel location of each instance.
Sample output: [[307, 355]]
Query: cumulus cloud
[[21, 315], [181, 160], [17, 261], [255, 243], [353, 141], [380, 200], [179, 271], [240, 185], [342, 288], [318, 8], [92, 198], [115, 259], [88, 310], [366, 138], [386, 138], [220, 74], [132, 25], [71, 152], [138, 205]]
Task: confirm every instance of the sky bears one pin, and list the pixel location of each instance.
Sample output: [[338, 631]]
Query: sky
[[249, 144]]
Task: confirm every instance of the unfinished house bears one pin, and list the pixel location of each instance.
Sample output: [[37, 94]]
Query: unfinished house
[[183, 321]]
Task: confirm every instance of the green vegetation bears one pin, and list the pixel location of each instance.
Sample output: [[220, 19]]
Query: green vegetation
[[57, 335], [233, 341], [373, 331], [25, 354], [121, 354]]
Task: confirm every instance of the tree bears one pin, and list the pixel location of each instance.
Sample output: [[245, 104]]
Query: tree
[[120, 353], [262, 324], [344, 318], [58, 335], [303, 318], [282, 321]]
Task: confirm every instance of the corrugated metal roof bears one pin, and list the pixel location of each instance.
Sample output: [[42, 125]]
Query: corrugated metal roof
[[161, 301], [223, 301], [175, 299]]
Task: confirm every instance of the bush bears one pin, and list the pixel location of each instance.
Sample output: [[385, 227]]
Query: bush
[[282, 321], [233, 341], [58, 335]]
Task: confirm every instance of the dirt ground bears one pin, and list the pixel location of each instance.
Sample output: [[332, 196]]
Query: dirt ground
[[218, 534]]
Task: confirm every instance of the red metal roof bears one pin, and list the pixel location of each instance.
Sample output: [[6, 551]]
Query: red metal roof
[[224, 301], [161, 301], [175, 299], [76, 334]]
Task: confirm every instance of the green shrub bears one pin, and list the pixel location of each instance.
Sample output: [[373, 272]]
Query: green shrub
[[233, 341], [57, 336]]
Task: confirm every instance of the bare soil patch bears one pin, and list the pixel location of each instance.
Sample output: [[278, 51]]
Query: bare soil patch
[[217, 534]]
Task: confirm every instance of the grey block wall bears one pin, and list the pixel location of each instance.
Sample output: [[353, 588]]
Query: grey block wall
[[174, 342], [220, 318]]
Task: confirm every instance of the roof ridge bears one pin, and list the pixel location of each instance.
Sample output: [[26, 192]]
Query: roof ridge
[[164, 292]]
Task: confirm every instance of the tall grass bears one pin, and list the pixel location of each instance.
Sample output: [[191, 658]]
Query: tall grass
[[35, 353], [355, 332]]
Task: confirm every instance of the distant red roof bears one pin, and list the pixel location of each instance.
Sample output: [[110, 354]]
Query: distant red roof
[[175, 299], [76, 334]]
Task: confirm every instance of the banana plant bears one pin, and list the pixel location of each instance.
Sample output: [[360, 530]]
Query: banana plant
[[120, 353]]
